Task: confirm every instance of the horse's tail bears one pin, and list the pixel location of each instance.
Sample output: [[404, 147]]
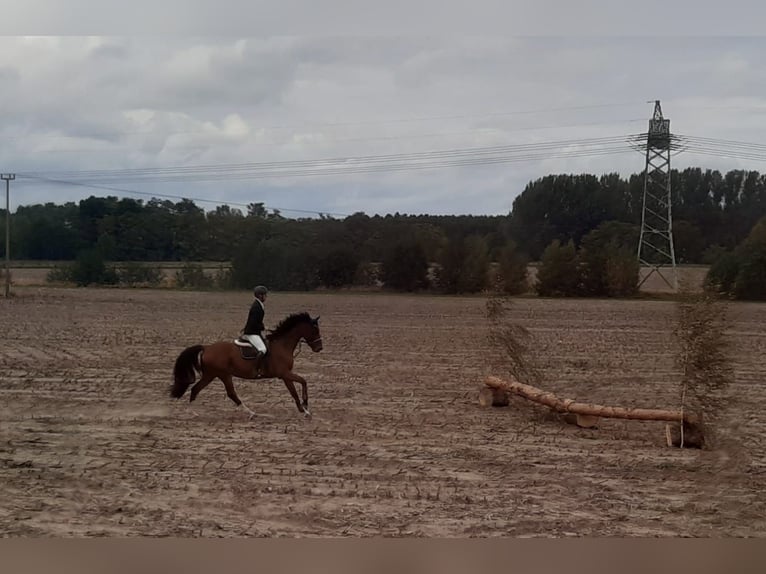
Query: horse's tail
[[184, 372]]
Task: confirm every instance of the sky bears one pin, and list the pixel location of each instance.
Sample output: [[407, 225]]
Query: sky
[[219, 106]]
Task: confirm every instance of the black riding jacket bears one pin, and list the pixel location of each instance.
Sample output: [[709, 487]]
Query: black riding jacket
[[254, 324]]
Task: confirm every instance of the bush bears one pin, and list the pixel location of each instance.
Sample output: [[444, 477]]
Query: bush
[[607, 260], [463, 266], [704, 358], [135, 274], [742, 274], [512, 270], [751, 277], [338, 267], [224, 278], [622, 271], [367, 275], [276, 263], [60, 274], [722, 275], [192, 276], [90, 269], [405, 267], [558, 275]]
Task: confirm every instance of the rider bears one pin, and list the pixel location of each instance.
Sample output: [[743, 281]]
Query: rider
[[253, 331]]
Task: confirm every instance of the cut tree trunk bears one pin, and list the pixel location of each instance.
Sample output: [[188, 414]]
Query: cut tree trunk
[[692, 424], [692, 435], [495, 397]]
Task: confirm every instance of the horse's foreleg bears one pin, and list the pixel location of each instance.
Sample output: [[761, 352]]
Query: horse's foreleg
[[232, 394], [288, 379]]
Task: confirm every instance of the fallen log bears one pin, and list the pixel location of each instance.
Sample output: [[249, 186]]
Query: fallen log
[[570, 406], [587, 414]]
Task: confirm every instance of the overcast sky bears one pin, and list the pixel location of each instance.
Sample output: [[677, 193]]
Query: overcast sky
[[113, 102]]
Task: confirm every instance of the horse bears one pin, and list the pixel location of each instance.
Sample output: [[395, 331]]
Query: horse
[[227, 359]]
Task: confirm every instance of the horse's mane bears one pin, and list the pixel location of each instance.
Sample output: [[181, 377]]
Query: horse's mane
[[289, 323]]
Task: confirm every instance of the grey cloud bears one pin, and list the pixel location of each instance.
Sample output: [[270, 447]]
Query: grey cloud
[[136, 102], [9, 75]]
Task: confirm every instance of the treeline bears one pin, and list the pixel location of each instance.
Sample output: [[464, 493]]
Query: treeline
[[588, 223]]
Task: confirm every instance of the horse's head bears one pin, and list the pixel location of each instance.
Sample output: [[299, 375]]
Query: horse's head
[[314, 337], [299, 326]]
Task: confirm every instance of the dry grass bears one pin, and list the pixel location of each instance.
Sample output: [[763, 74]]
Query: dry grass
[[511, 345], [703, 359]]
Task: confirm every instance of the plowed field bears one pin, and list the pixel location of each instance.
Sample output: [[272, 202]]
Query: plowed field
[[91, 444]]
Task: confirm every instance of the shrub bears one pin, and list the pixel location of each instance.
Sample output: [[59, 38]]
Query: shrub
[[558, 275], [608, 263], [90, 269], [512, 270], [622, 270], [192, 276], [722, 275], [405, 267], [338, 268], [136, 274], [742, 274], [463, 266]]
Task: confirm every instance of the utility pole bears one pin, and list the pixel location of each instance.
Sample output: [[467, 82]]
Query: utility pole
[[655, 244], [8, 177]]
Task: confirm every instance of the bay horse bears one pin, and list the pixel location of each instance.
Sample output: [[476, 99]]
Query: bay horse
[[225, 359]]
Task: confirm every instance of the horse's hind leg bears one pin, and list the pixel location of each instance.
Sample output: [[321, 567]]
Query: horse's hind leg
[[201, 384], [232, 394]]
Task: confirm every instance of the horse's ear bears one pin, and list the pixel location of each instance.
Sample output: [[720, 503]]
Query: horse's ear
[[316, 321]]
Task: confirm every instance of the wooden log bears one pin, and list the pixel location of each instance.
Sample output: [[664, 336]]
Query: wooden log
[[570, 406], [491, 396]]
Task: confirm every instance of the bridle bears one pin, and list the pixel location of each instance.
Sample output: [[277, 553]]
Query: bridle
[[309, 343]]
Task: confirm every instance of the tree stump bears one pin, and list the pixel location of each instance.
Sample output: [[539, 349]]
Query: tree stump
[[582, 421], [491, 396], [693, 435]]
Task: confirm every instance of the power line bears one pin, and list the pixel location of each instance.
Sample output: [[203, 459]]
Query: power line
[[365, 164], [325, 139], [478, 154]]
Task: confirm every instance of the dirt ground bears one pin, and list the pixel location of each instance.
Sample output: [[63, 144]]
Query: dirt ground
[[91, 445]]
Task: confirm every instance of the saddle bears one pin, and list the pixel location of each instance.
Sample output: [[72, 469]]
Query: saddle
[[247, 351]]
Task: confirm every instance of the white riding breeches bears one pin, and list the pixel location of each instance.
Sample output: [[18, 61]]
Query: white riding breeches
[[256, 342]]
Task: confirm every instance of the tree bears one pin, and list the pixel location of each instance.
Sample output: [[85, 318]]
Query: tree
[[512, 270], [338, 267], [742, 273], [463, 266], [405, 267], [566, 207], [751, 278], [688, 241], [607, 260], [90, 269], [558, 275]]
